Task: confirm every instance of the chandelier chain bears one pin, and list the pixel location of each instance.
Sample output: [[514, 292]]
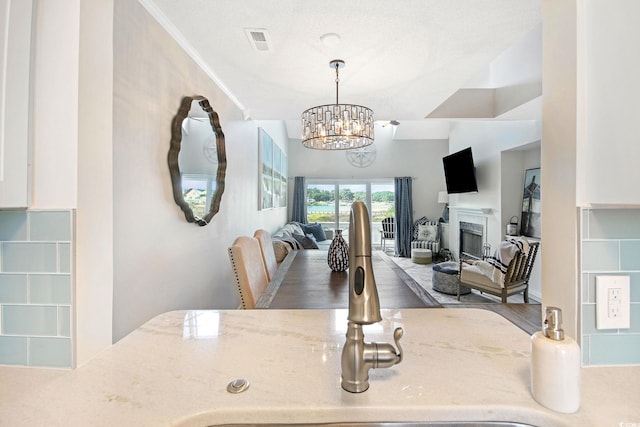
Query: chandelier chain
[[337, 81]]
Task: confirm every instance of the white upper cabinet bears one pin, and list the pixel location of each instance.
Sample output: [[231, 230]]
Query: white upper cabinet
[[609, 171], [15, 57]]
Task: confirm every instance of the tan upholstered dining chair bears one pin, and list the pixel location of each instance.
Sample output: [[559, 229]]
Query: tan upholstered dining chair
[[268, 254], [249, 270]]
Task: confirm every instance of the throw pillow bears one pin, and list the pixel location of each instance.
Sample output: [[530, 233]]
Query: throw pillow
[[289, 229], [316, 230], [281, 249], [420, 221], [294, 227], [305, 241], [292, 242], [306, 228], [427, 232]]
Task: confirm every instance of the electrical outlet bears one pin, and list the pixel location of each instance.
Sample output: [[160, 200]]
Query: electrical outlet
[[613, 302]]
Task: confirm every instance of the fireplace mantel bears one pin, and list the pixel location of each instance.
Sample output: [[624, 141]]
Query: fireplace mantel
[[472, 211]]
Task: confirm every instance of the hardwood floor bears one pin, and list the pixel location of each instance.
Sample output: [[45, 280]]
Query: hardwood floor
[[291, 288], [527, 317]]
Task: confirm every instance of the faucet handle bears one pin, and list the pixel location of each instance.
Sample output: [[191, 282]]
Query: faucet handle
[[384, 355], [397, 334]]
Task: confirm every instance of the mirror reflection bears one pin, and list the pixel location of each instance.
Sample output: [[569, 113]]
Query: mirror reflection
[[197, 160]]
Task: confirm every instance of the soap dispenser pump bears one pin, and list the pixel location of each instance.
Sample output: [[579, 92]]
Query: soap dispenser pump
[[555, 366]]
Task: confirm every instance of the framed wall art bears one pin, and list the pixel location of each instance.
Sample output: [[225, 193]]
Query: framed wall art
[[531, 225], [273, 173]]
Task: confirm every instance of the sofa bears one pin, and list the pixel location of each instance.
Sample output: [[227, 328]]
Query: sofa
[[298, 236]]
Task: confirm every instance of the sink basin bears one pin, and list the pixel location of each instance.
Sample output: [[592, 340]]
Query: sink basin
[[387, 424]]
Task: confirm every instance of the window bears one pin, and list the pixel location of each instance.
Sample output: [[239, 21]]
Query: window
[[321, 202], [329, 202], [197, 191]]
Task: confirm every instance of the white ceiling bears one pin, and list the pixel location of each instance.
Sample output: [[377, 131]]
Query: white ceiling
[[404, 58]]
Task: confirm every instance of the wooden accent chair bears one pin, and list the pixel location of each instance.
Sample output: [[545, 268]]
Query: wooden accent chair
[[268, 254], [516, 277], [249, 269]]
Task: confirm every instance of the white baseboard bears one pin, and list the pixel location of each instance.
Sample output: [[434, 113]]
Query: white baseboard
[[535, 297]]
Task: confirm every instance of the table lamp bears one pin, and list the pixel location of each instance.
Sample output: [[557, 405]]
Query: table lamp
[[443, 197]]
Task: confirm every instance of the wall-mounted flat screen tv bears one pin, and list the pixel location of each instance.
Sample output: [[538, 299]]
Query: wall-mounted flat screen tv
[[460, 172]]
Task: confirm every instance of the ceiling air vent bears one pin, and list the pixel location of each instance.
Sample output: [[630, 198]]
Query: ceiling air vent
[[259, 39]]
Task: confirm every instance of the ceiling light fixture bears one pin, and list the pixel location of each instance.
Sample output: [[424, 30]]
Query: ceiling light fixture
[[330, 39], [337, 126], [385, 123]]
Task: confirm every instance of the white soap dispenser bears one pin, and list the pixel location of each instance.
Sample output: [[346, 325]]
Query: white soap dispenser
[[555, 366]]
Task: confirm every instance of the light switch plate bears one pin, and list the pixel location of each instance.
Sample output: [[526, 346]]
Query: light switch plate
[[613, 302]]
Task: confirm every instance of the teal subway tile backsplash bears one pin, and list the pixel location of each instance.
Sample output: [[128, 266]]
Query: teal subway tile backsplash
[[635, 320], [600, 255], [610, 244], [49, 226], [13, 225], [52, 352], [13, 350], [585, 347], [49, 288], [64, 257], [30, 320], [64, 321], [613, 223], [13, 288], [630, 255], [22, 257], [634, 278], [36, 291], [589, 319], [588, 288], [614, 349]]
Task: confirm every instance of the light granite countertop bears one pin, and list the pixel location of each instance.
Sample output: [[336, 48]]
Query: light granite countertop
[[459, 364]]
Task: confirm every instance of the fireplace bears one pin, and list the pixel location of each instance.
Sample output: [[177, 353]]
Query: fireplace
[[471, 239], [470, 231]]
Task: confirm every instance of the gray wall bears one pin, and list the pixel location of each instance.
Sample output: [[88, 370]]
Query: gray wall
[[420, 159], [161, 262]]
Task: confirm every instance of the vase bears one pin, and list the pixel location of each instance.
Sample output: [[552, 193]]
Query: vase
[[338, 257]]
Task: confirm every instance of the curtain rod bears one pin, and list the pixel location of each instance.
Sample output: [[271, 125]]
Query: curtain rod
[[352, 178]]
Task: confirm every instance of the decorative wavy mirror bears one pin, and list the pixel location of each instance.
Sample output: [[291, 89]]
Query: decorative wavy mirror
[[197, 160]]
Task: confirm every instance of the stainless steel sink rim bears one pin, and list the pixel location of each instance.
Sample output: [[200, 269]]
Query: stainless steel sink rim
[[386, 424]]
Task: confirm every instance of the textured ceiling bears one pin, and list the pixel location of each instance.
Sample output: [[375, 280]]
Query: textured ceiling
[[403, 58]]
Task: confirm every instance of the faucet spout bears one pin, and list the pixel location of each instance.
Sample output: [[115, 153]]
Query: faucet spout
[[364, 305], [359, 356]]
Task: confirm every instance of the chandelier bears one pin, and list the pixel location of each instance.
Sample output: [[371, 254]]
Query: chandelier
[[337, 126]]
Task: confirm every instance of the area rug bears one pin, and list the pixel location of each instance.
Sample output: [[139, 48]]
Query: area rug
[[423, 274]]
